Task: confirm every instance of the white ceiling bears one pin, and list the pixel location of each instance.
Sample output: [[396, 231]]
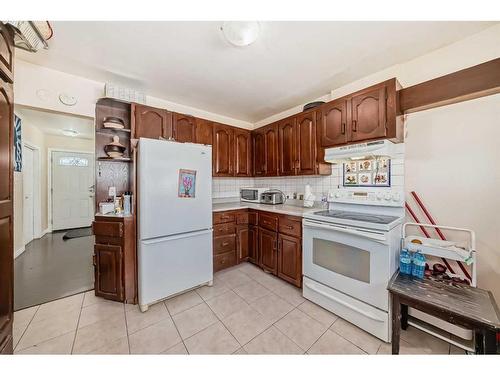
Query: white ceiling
[[54, 123], [191, 64]]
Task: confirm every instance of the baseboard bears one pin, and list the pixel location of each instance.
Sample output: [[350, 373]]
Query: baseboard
[[19, 251], [47, 230]]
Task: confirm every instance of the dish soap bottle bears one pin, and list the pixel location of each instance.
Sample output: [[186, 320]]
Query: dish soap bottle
[[405, 262], [418, 268]]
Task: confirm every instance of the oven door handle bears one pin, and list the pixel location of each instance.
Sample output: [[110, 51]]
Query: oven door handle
[[379, 237], [343, 303]]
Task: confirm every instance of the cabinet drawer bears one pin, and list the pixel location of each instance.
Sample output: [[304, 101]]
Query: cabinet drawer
[[224, 244], [224, 261], [223, 229], [253, 218], [268, 221], [290, 227], [223, 217], [242, 217], [107, 228]]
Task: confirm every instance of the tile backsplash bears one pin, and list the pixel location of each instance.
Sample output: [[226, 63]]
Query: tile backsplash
[[228, 187]]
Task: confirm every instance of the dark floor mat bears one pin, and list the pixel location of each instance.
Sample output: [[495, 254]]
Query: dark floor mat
[[75, 233]]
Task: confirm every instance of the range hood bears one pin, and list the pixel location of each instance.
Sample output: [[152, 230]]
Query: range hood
[[360, 151]]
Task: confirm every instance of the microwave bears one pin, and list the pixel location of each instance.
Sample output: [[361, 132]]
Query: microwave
[[251, 194]]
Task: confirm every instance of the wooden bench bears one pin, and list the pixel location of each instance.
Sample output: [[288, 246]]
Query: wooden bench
[[459, 304]]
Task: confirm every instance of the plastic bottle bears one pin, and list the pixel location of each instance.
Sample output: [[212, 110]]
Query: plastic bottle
[[405, 262], [418, 268]]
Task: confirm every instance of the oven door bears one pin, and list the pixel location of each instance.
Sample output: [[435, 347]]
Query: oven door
[[351, 260]]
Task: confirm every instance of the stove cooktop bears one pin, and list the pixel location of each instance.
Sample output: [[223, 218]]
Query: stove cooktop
[[357, 216]]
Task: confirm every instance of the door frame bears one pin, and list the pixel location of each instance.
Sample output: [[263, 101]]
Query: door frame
[[37, 190], [50, 150]]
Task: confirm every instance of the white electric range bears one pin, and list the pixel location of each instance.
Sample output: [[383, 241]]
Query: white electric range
[[350, 252]]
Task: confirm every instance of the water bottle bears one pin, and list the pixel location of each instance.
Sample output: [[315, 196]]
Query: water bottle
[[418, 268], [405, 262]]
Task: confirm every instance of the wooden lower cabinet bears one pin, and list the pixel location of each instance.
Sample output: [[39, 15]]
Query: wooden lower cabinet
[[108, 271], [268, 246], [268, 240], [115, 266], [290, 259]]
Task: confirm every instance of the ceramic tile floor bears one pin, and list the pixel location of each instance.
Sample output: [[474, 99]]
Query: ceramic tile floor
[[246, 311]]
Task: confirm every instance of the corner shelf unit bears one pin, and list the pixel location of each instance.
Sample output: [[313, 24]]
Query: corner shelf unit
[[116, 172]]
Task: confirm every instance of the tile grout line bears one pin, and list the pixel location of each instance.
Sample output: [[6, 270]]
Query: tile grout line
[[78, 323], [220, 320], [177, 329], [126, 329], [321, 334], [24, 331]]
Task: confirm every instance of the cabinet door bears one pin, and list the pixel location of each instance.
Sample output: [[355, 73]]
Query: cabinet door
[[268, 249], [259, 153], [306, 143], [334, 123], [271, 150], [242, 242], [150, 122], [203, 131], [286, 147], [108, 271], [242, 153], [222, 151], [6, 193], [368, 115], [183, 128], [290, 259], [253, 244]]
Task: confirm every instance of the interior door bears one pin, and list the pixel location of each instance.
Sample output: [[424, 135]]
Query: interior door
[[72, 190], [6, 194], [28, 190]]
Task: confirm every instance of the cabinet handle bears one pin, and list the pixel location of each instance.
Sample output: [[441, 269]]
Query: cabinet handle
[[343, 128], [354, 125], [289, 227], [94, 260]]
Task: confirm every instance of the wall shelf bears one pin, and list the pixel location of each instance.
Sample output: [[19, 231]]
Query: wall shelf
[[107, 158]]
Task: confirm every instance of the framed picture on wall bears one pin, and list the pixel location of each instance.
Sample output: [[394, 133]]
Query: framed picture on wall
[[18, 145], [368, 173]]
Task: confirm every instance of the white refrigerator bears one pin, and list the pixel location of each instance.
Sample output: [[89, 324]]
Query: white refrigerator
[[174, 182]]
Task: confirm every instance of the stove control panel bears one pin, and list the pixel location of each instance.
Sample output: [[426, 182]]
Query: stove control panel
[[392, 197]]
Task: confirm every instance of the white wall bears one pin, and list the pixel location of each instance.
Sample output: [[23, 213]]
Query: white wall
[[39, 87]]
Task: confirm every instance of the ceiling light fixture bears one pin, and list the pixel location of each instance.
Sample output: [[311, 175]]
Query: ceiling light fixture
[[70, 132], [240, 33]]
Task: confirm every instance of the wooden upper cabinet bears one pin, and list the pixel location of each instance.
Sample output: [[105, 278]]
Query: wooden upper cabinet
[[368, 114], [259, 152], [333, 123], [222, 150], [203, 131], [306, 143], [287, 147], [271, 149], [242, 153], [150, 122], [183, 128]]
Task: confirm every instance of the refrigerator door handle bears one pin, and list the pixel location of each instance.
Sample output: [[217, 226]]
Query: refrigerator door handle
[[177, 236]]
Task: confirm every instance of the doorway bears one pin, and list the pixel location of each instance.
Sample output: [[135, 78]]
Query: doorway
[[72, 189], [53, 197]]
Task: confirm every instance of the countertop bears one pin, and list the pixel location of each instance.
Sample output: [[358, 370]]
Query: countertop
[[286, 209]]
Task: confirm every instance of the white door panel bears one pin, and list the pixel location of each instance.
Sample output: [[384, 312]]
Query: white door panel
[[72, 198]]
